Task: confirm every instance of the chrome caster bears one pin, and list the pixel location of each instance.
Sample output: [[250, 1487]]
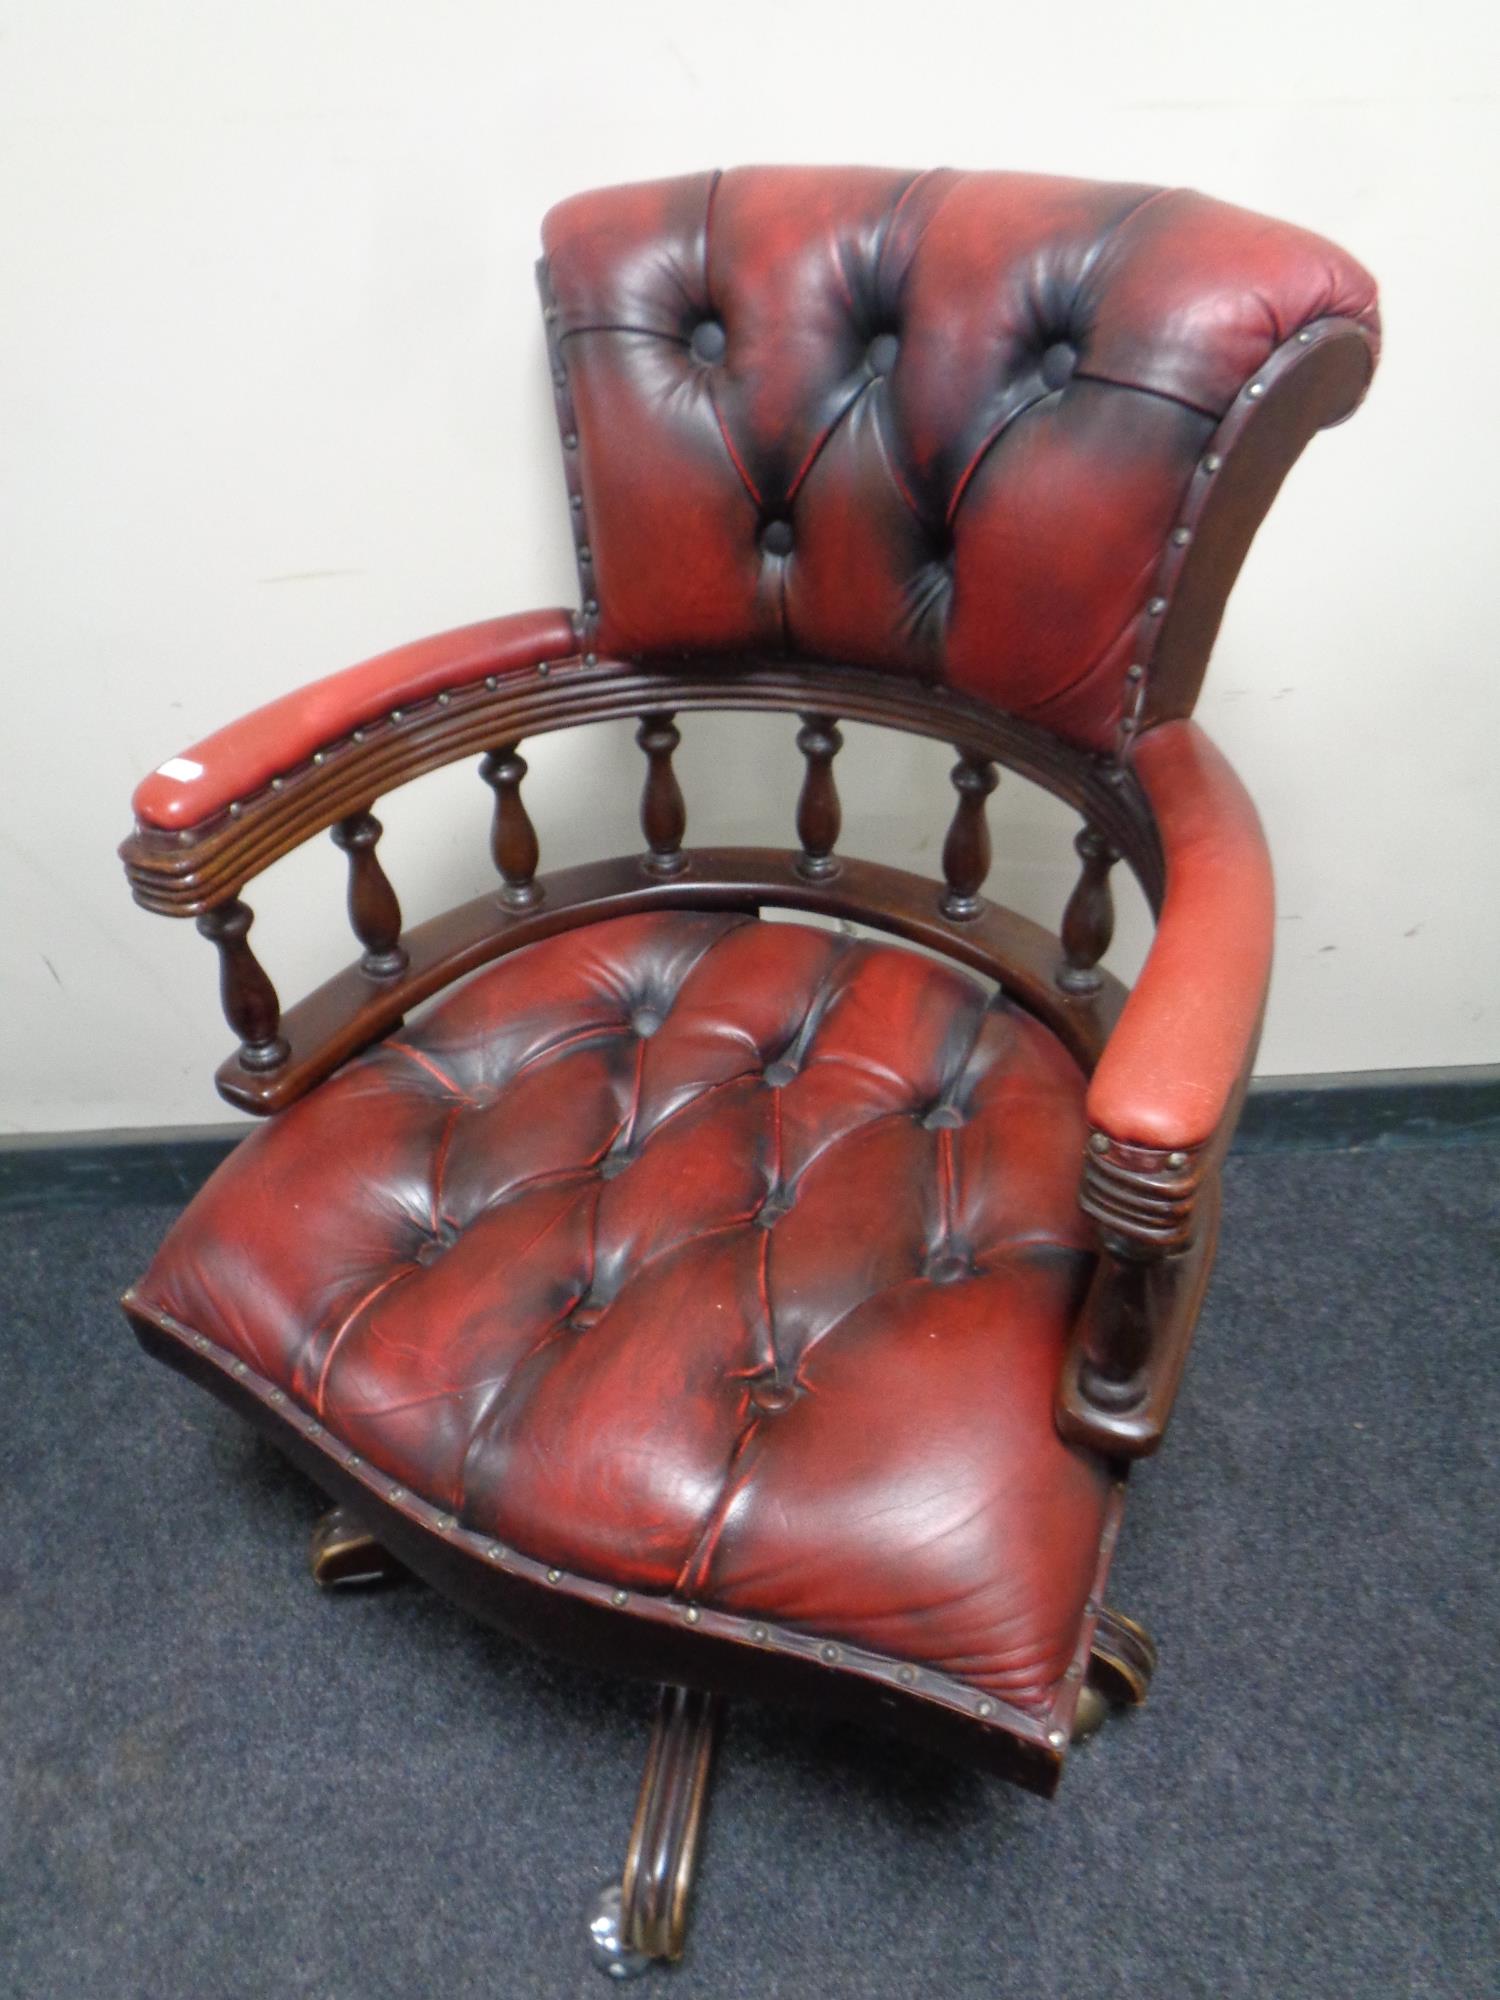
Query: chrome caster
[[607, 1943]]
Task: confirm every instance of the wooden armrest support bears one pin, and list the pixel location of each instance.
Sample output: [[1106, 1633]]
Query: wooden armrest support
[[245, 756], [1164, 1100]]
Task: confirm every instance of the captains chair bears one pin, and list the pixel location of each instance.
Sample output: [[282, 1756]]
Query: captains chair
[[765, 1306]]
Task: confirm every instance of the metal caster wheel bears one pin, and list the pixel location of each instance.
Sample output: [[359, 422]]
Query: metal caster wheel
[[344, 1556], [607, 1937]]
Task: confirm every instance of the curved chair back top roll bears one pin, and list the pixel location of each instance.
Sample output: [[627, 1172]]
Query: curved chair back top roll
[[959, 425]]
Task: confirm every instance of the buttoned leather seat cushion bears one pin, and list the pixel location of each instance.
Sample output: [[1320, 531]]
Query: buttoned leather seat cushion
[[714, 1257]]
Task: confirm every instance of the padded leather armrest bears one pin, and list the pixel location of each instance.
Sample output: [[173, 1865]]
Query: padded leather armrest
[[1172, 1067], [246, 755]]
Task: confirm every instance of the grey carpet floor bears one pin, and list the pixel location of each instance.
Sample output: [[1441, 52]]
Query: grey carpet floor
[[218, 1783]]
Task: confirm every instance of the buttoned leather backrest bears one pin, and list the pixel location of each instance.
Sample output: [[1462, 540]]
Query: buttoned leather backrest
[[944, 424]]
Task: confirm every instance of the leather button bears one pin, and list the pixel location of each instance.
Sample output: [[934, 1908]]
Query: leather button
[[941, 1116], [771, 1210], [776, 538], [645, 1021], [947, 1268], [780, 1074], [772, 1397], [612, 1168], [1058, 364], [880, 355], [708, 341]]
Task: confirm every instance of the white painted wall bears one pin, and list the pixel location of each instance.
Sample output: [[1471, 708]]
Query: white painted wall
[[273, 397]]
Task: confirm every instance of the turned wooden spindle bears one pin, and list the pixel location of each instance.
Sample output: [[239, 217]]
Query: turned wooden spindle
[[374, 913], [819, 815], [246, 994], [513, 840], [1089, 920], [1116, 1326], [966, 851], [663, 813]]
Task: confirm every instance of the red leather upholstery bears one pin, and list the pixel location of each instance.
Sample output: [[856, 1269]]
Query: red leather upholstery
[[247, 754], [941, 423], [702, 1255], [1189, 1028]]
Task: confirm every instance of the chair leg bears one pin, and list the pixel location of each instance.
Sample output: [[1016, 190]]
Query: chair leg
[[643, 1918], [343, 1555], [1120, 1668]]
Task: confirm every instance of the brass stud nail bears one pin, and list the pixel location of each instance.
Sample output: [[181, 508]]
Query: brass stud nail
[[495, 1552], [358, 736], [692, 1614], [444, 1524], [184, 837], [576, 503], [235, 810], [618, 1597], [1057, 1738], [396, 1495], [1128, 725], [314, 1428], [544, 667], [320, 756], [759, 1634], [1181, 537], [554, 1576], [444, 699], [828, 1653], [1091, 1609], [276, 1396], [240, 1368], [1212, 462], [571, 440], [491, 681], [985, 1708], [1074, 1672], [1099, 1142], [591, 659], [1135, 673], [1156, 607], [584, 553], [591, 608], [906, 1675], [397, 714], [1177, 1159], [352, 1460], [277, 783], [1256, 390], [550, 314], [1303, 337]]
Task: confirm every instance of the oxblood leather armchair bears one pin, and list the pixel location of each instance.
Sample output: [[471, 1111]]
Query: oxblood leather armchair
[[748, 1305]]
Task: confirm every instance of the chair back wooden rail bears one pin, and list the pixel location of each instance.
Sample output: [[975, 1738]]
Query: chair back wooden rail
[[279, 1057]]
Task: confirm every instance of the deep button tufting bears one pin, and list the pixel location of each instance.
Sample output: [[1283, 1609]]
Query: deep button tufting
[[645, 1021], [771, 1397], [1059, 363], [880, 355], [776, 538], [1061, 463], [597, 1372], [780, 1074], [709, 341], [947, 1267]]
